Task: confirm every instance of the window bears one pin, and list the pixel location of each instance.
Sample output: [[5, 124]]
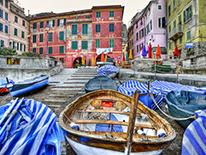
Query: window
[[98, 14], [111, 13], [74, 45], [50, 36], [23, 22], [169, 10], [1, 13], [162, 22], [41, 25], [188, 14], [22, 34], [20, 46], [41, 38], [1, 2], [159, 7], [84, 29], [6, 29], [188, 35], [61, 49], [34, 38], [169, 29], [24, 48], [111, 43], [50, 50], [61, 36], [41, 50], [180, 20], [137, 36], [74, 29], [6, 4], [2, 43], [1, 27], [151, 25], [174, 4], [174, 24], [34, 50], [97, 43], [16, 19], [98, 28], [111, 27], [84, 45], [6, 16], [53, 23], [15, 32], [34, 26]]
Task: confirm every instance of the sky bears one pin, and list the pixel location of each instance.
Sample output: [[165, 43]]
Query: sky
[[57, 6]]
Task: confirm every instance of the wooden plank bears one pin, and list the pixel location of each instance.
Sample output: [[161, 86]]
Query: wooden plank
[[139, 125]]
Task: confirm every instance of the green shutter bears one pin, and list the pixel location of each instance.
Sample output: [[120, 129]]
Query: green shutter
[[111, 14], [84, 28], [84, 45], [50, 50], [98, 28], [41, 24], [111, 43], [74, 29], [97, 43], [34, 38], [61, 35], [50, 37], [22, 34], [74, 45], [98, 14], [41, 50], [61, 49], [15, 32], [41, 37]]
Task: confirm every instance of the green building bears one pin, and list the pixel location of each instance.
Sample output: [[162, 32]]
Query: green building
[[186, 29]]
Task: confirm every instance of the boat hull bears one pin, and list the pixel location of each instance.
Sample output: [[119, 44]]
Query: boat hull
[[29, 88], [83, 149]]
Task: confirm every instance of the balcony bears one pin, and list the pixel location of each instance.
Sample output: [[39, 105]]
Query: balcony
[[176, 33]]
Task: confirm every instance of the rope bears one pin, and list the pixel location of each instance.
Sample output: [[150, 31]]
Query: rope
[[171, 117]]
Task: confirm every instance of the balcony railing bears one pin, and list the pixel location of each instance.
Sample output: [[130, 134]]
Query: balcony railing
[[176, 32]]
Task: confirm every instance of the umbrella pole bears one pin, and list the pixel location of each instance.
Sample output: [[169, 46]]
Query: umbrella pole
[[155, 70]]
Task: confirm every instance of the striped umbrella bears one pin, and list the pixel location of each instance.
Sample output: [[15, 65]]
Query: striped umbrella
[[144, 51], [158, 52]]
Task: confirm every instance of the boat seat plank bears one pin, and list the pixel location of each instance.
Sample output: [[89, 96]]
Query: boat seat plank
[[139, 124]]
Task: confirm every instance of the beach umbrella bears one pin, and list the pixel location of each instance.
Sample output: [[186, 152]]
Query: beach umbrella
[[158, 52], [127, 57], [105, 58], [144, 51], [176, 51], [130, 55], [123, 58], [93, 60], [150, 51], [102, 57], [83, 60]]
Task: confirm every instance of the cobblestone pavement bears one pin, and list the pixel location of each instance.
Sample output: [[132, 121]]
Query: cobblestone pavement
[[68, 85]]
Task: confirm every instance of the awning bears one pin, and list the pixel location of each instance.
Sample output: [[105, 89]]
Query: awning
[[103, 50]]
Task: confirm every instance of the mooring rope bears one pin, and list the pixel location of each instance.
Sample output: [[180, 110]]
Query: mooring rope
[[171, 117]]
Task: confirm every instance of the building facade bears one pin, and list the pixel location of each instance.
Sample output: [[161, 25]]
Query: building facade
[[149, 26], [13, 26], [186, 28], [75, 37]]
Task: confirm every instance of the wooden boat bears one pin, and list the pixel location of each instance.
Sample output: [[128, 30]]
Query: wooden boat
[[183, 104], [100, 82], [30, 85], [108, 122], [5, 86]]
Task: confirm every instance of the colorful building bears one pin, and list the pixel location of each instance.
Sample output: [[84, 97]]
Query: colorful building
[[186, 29], [149, 26], [75, 37], [13, 26]]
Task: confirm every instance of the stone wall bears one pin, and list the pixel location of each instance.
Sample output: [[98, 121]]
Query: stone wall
[[28, 67]]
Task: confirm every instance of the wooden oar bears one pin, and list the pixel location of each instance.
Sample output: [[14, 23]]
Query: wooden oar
[[132, 119]]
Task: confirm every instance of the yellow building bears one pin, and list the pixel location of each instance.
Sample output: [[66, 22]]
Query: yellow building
[[186, 28]]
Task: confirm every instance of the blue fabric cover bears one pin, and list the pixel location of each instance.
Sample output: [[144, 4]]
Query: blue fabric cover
[[194, 139], [29, 127], [107, 70]]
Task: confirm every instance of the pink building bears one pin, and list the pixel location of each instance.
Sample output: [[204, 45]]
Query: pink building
[[149, 26], [75, 37]]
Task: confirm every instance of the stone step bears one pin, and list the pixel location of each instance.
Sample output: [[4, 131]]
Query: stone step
[[70, 86], [77, 82], [67, 89], [61, 96], [69, 92], [50, 100], [55, 106]]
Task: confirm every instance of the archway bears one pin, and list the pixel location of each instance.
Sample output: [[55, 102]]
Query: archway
[[77, 62]]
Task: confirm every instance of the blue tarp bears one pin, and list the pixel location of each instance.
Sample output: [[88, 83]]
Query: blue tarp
[[129, 88], [29, 127], [107, 70], [194, 139]]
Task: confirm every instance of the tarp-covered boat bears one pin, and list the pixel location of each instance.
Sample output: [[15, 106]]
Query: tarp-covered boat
[[5, 86], [100, 82], [29, 127], [108, 70], [30, 85], [129, 88], [183, 104], [194, 139], [108, 122]]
